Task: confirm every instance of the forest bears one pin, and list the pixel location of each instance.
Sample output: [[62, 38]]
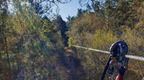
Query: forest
[[36, 43]]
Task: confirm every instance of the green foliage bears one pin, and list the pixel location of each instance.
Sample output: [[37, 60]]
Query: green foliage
[[32, 48], [103, 39], [33, 45], [123, 20]]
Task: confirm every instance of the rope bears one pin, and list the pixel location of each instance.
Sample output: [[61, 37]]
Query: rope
[[139, 58], [91, 49]]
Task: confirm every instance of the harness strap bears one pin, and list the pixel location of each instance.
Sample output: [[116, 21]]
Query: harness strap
[[105, 69]]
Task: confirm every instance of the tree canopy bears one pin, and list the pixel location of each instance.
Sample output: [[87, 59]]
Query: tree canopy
[[35, 43]]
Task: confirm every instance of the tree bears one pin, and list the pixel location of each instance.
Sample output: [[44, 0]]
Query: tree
[[4, 31], [61, 25], [119, 13], [47, 7]]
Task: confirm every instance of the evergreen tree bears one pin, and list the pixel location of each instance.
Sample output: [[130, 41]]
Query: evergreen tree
[[62, 26]]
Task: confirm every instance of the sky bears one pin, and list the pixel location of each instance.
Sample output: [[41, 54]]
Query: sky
[[69, 9], [64, 9]]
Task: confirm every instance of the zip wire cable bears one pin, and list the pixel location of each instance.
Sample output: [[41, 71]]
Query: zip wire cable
[[139, 58]]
